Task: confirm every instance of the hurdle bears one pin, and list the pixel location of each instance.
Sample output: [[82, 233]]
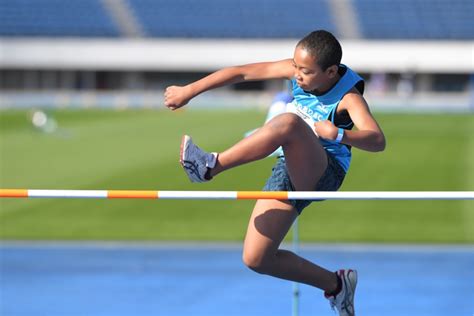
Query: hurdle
[[238, 195], [243, 195]]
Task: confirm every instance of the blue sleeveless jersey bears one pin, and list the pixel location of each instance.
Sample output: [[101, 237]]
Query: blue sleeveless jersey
[[323, 107]]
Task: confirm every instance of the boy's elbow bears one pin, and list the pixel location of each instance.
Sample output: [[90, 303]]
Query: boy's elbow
[[381, 143], [377, 143]]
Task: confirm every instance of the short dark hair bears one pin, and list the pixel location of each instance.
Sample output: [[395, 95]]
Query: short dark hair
[[323, 45]]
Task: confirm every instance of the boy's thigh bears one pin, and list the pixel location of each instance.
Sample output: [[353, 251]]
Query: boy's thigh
[[268, 225], [306, 158]]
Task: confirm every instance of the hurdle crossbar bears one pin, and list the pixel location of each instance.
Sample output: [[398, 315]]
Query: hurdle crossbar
[[239, 195]]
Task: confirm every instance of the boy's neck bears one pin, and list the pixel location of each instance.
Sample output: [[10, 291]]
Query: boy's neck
[[340, 72], [328, 86]]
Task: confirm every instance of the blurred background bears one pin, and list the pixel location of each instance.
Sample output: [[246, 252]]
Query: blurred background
[[81, 107], [123, 53]]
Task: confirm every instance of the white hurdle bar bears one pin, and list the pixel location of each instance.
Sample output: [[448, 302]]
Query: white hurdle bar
[[239, 195]]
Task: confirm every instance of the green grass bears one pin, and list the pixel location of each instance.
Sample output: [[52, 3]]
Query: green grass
[[138, 149]]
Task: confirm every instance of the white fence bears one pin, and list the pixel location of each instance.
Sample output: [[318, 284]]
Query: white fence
[[207, 55]]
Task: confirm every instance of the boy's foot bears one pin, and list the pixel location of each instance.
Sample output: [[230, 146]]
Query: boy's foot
[[195, 161], [344, 300]]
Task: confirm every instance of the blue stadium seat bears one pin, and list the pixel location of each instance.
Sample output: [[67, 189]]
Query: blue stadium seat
[[416, 19], [378, 19], [55, 18], [232, 18]]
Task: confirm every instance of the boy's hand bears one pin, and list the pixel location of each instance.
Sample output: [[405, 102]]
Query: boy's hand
[[176, 97], [326, 129]]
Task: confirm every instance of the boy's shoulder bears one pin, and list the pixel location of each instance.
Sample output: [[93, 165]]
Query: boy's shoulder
[[352, 98], [355, 80]]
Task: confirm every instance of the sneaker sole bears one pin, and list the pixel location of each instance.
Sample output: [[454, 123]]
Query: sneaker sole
[[184, 144], [185, 140], [350, 278]]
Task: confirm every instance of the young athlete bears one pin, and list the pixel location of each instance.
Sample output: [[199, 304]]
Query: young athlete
[[316, 137]]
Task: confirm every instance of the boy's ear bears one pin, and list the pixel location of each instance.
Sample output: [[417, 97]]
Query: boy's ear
[[332, 71]]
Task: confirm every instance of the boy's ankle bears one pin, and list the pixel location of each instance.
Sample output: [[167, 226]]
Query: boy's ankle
[[208, 176], [337, 290], [212, 168]]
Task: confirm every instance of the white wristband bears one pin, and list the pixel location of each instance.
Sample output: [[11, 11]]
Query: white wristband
[[340, 135]]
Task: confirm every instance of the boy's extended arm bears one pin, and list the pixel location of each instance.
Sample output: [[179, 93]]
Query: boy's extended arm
[[176, 96]]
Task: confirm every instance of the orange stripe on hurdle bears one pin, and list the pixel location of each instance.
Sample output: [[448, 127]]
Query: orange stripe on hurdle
[[123, 194], [255, 195], [13, 193]]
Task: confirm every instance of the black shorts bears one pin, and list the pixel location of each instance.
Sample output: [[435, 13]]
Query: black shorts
[[331, 180]]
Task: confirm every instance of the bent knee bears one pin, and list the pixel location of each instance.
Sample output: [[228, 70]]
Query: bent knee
[[255, 261], [286, 123]]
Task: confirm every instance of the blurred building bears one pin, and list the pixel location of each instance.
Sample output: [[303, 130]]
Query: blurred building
[[125, 52]]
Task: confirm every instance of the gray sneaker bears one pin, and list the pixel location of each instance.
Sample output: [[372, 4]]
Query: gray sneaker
[[344, 301], [195, 161]]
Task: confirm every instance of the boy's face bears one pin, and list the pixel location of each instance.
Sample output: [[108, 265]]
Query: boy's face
[[308, 74]]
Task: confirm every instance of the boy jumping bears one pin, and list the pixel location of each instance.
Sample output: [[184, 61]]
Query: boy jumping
[[316, 137]]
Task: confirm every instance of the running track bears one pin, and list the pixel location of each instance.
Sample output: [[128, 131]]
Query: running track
[[117, 279]]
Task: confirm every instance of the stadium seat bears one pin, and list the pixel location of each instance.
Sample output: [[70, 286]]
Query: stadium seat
[[55, 18], [416, 19], [377, 19], [232, 18]]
